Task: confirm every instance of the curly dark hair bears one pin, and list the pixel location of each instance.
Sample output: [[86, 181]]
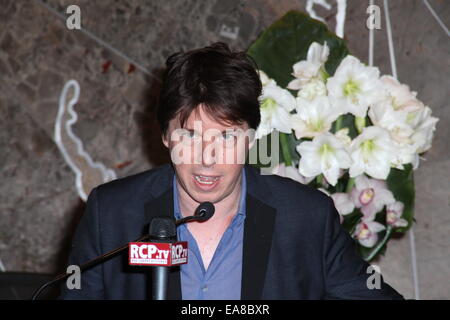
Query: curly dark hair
[[226, 82]]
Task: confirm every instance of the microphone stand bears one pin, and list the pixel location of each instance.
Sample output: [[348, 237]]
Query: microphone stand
[[199, 216], [186, 220], [87, 265]]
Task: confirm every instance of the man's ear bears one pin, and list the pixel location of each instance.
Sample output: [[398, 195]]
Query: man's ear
[[165, 140], [251, 143]]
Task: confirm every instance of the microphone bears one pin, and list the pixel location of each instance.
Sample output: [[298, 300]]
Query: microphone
[[162, 230], [203, 212]]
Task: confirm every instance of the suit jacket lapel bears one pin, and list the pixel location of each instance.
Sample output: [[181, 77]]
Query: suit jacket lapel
[[258, 230], [160, 206]]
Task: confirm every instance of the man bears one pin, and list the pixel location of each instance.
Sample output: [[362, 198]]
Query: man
[[270, 237]]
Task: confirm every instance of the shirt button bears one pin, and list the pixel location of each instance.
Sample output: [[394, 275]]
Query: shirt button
[[205, 288]]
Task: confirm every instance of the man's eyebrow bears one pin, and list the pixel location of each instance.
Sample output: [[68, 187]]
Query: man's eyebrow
[[233, 129], [229, 130]]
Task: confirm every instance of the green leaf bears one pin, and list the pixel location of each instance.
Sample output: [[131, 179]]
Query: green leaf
[[287, 41], [346, 121], [351, 220], [285, 149], [401, 183]]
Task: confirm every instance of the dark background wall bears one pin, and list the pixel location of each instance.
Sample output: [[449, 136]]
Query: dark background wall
[[117, 59]]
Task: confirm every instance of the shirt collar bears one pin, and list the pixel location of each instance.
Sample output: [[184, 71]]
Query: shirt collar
[[242, 205]]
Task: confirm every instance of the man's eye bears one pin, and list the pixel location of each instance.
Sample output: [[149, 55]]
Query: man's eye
[[190, 134], [228, 136]]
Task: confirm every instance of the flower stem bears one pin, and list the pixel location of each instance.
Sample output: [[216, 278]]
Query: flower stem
[[324, 74], [339, 123], [353, 229], [350, 185], [285, 149], [319, 180], [360, 123], [380, 245]]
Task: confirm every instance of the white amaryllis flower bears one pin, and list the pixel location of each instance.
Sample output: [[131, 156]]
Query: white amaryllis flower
[[394, 212], [265, 80], [343, 203], [405, 154], [354, 86], [400, 95], [424, 126], [291, 172], [313, 117], [384, 115], [367, 233], [325, 154], [275, 105], [311, 68], [396, 113], [343, 135], [370, 195], [372, 152], [406, 118], [312, 89]]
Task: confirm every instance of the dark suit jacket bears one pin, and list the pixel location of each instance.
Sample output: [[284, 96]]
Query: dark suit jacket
[[294, 246]]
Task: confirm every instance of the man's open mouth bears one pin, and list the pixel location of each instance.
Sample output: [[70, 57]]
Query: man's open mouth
[[206, 179]]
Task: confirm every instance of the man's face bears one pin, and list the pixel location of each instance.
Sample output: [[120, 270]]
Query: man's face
[[207, 156]]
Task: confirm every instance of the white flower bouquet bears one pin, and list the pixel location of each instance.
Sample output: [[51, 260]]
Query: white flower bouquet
[[344, 129]]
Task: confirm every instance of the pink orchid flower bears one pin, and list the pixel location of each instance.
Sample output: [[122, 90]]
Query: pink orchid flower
[[367, 232], [371, 195], [394, 212]]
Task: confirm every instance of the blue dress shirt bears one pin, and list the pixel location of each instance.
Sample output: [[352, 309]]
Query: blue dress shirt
[[222, 280]]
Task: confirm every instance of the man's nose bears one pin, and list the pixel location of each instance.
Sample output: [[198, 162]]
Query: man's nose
[[208, 152]]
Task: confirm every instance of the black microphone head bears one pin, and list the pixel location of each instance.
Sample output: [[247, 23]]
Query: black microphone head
[[204, 211], [162, 228]]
